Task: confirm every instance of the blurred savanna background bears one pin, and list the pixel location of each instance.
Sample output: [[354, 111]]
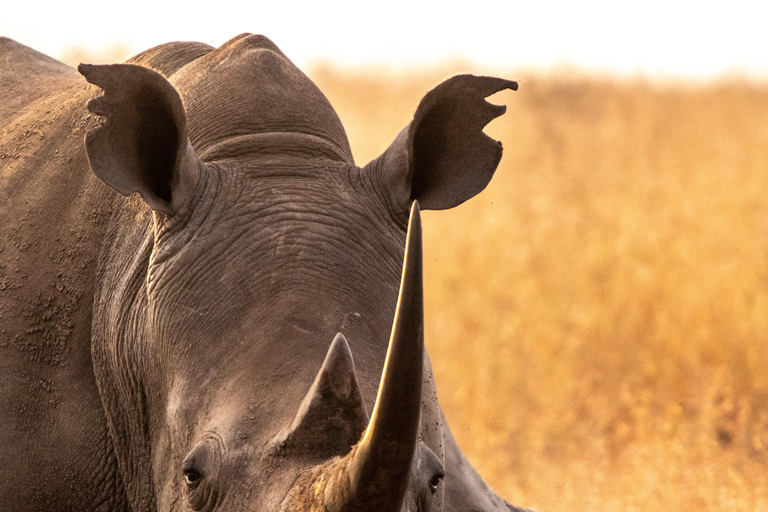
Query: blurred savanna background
[[597, 318]]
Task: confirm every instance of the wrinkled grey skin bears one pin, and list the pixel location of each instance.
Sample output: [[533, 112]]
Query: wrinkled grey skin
[[182, 327]]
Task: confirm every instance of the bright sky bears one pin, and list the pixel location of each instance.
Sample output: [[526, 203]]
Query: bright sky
[[655, 38]]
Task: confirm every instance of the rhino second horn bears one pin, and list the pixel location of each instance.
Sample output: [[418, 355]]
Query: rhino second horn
[[332, 415], [380, 464]]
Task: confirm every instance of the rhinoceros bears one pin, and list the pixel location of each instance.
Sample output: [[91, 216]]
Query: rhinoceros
[[198, 286]]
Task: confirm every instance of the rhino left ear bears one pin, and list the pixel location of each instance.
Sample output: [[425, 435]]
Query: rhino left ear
[[442, 158], [143, 145]]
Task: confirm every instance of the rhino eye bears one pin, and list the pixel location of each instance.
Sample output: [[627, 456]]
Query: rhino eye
[[191, 477], [435, 481]]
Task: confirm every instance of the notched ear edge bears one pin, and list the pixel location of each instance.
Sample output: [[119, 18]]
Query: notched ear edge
[[443, 157], [142, 146], [452, 158]]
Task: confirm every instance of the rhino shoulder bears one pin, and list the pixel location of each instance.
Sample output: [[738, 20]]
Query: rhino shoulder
[[26, 75], [18, 59]]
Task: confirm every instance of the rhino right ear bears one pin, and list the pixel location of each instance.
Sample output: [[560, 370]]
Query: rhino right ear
[[442, 158], [143, 145]]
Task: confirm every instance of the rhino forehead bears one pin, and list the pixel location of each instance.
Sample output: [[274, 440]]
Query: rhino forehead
[[247, 87], [279, 240]]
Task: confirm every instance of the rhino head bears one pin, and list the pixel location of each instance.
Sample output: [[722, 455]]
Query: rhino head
[[245, 300]]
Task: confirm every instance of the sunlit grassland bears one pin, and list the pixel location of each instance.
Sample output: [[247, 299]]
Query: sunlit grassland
[[598, 317]]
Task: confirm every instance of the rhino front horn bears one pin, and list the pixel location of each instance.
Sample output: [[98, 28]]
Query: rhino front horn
[[380, 465], [374, 475]]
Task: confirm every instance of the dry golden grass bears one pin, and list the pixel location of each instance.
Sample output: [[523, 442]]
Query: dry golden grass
[[598, 317]]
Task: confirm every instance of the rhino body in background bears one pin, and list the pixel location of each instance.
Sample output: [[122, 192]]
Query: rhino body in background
[[217, 341]]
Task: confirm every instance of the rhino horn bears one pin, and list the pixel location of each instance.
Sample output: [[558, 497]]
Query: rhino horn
[[374, 474], [332, 415], [380, 464]]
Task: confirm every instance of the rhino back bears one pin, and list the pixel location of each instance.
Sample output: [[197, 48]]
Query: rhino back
[[26, 75], [168, 58], [55, 452]]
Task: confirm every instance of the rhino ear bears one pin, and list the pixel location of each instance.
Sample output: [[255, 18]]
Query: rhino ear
[[442, 158], [142, 146], [332, 416]]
